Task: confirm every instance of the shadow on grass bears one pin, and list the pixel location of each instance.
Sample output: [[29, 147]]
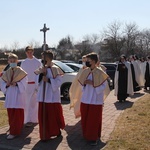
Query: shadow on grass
[[127, 104], [137, 94], [123, 105], [76, 141], [49, 145], [18, 142]]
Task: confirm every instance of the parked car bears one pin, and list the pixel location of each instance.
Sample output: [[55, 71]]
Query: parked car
[[69, 75], [111, 68], [74, 66]]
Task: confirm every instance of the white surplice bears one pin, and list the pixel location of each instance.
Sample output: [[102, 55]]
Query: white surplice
[[52, 89], [91, 95], [137, 70], [31, 106], [15, 95]]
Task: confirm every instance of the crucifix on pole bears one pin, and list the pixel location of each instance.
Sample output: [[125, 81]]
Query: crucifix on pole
[[44, 31], [44, 83]]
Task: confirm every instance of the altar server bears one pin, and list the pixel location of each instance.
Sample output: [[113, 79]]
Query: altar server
[[30, 64], [14, 86], [50, 113]]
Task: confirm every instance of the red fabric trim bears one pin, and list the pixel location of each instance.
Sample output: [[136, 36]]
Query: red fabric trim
[[54, 119], [53, 74], [100, 84], [17, 81], [16, 120], [91, 121], [31, 82], [85, 78]]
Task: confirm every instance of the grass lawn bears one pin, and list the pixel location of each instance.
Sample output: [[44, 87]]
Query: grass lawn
[[3, 112], [3, 115], [2, 67], [132, 131]]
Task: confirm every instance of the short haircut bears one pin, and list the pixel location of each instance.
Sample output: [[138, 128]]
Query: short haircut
[[12, 56], [84, 56], [29, 48], [93, 56], [123, 56], [48, 53]]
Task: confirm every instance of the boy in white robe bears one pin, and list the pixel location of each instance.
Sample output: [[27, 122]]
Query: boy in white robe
[[30, 64], [14, 85], [50, 112], [93, 81]]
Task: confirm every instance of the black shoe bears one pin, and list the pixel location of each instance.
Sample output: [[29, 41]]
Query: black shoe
[[29, 124], [93, 143], [59, 134]]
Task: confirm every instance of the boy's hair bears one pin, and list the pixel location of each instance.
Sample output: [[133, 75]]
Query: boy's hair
[[93, 56], [12, 56], [48, 53], [84, 56], [29, 48]]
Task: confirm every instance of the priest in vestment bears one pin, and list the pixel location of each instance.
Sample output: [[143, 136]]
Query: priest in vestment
[[14, 86], [136, 74], [93, 81], [123, 80], [143, 68], [147, 74], [50, 113]]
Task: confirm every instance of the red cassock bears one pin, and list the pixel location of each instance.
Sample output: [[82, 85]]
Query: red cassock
[[15, 119], [91, 121], [51, 120]]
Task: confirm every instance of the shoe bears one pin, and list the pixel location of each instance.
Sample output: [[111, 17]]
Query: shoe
[[29, 124], [10, 137], [93, 143], [59, 134]]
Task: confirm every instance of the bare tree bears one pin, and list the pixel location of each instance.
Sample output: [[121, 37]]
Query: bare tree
[[95, 38], [15, 46], [146, 41], [34, 43], [113, 39], [131, 34]]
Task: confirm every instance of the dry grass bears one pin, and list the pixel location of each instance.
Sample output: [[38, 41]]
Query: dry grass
[[3, 115], [132, 131], [2, 67]]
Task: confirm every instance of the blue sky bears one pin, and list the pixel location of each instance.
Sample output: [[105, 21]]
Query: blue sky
[[21, 20]]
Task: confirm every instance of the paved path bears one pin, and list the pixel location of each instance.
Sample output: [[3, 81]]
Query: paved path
[[71, 138]]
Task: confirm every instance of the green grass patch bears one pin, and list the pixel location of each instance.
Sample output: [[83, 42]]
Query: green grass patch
[[132, 130]]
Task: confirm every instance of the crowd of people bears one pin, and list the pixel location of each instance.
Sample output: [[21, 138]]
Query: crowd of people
[[33, 92], [131, 75]]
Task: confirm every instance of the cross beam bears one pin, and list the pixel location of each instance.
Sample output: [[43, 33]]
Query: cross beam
[[44, 31]]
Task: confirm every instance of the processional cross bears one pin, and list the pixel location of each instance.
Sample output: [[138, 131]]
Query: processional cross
[[44, 84], [44, 31]]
